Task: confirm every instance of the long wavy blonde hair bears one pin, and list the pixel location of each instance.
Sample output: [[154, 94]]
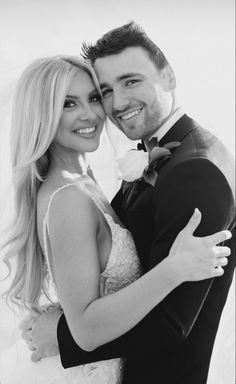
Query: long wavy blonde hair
[[37, 110]]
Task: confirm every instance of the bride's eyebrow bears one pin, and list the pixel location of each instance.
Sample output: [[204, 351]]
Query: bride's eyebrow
[[71, 97], [93, 92]]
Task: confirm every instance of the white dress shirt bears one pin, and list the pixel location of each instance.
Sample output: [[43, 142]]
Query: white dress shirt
[[162, 131]]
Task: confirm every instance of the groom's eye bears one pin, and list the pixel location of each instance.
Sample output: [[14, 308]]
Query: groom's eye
[[131, 82], [106, 92]]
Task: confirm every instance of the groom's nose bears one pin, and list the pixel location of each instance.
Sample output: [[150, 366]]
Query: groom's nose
[[120, 101]]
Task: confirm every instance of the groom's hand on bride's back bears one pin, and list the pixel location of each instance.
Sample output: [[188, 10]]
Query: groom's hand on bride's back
[[40, 333]]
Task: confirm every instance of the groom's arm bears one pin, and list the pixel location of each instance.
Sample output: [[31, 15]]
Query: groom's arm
[[195, 183]]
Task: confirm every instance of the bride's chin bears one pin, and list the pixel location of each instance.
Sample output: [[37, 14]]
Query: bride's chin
[[92, 146]]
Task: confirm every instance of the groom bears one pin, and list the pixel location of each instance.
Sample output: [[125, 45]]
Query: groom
[[173, 343]]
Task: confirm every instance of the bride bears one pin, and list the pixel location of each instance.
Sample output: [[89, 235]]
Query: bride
[[70, 247]]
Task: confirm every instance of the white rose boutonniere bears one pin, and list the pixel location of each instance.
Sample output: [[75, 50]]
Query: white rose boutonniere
[[138, 164], [133, 164]]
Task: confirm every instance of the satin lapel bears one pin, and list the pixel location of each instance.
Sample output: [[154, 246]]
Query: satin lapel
[[179, 130], [132, 190]]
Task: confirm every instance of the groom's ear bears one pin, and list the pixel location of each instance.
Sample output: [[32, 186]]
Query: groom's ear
[[168, 78]]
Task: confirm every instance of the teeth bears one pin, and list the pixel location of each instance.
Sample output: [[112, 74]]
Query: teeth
[[85, 130], [130, 114]]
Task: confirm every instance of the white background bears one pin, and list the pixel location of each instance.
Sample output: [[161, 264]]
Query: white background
[[198, 40]]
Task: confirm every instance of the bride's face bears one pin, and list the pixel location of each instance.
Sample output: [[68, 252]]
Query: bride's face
[[83, 116]]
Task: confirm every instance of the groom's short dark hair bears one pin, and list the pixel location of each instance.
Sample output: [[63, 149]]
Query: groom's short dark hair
[[118, 39]]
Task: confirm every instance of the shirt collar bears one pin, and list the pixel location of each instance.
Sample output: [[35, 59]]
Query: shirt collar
[[162, 131]]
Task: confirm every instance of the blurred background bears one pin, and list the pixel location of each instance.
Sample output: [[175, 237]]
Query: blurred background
[[198, 39]]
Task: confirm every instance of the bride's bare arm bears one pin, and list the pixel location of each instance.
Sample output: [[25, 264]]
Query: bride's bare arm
[[93, 320]]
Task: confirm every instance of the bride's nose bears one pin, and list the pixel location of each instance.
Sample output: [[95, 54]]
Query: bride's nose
[[87, 113]]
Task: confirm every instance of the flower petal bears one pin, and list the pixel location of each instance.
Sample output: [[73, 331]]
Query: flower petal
[[172, 144], [158, 153], [150, 177], [133, 165]]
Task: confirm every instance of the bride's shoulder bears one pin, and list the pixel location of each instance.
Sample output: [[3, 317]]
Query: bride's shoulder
[[63, 196], [65, 206]]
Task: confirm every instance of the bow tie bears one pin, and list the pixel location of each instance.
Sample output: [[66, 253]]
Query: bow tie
[[151, 144]]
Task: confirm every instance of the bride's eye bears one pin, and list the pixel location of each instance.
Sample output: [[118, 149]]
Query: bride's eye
[[96, 98], [69, 103]]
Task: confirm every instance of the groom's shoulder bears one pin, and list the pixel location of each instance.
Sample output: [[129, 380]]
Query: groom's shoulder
[[201, 150], [200, 142]]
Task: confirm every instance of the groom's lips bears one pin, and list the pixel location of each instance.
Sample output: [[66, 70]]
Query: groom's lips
[[129, 114]]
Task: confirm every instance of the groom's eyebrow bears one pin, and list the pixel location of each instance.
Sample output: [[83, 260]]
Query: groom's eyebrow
[[120, 78], [128, 75]]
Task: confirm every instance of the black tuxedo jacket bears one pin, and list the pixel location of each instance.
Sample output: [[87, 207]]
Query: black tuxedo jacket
[[173, 343]]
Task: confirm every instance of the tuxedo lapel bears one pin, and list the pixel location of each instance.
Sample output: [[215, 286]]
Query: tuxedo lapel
[[179, 130]]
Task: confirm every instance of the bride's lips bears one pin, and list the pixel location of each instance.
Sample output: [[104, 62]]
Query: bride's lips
[[86, 132]]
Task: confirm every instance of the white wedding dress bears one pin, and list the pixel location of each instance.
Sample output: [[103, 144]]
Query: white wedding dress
[[122, 268]]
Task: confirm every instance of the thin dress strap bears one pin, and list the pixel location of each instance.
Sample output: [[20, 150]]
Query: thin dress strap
[[46, 230]]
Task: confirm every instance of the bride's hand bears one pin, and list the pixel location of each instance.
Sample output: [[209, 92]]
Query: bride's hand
[[40, 333], [199, 258]]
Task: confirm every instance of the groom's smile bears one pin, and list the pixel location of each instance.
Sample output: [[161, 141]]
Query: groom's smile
[[128, 115]]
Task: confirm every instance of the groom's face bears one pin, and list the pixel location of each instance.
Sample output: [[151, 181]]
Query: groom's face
[[137, 97]]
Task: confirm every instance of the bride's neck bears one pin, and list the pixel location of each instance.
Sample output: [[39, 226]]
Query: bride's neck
[[68, 163]]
